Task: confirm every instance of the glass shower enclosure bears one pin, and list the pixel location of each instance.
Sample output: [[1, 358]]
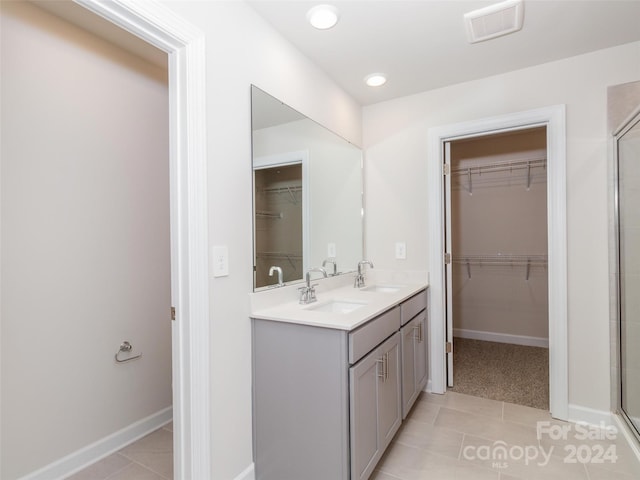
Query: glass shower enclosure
[[627, 205]]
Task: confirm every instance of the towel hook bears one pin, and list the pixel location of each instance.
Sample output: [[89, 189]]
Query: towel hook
[[125, 347]]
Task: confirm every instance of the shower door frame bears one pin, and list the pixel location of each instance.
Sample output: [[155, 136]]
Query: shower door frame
[[625, 127]]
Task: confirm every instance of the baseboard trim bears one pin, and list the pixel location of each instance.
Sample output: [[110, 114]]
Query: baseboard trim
[[248, 473], [600, 418], [501, 337], [90, 454], [628, 436]]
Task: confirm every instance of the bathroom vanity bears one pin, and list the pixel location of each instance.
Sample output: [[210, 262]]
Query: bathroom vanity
[[333, 380]]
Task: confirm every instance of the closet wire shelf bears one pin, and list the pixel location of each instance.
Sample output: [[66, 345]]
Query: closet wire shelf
[[290, 191], [509, 166], [527, 261]]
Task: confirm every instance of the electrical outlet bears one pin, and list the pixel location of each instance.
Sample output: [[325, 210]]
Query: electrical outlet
[[331, 250], [220, 260], [401, 250]]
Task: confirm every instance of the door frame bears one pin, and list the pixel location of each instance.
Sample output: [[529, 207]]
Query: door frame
[[185, 46], [553, 118]]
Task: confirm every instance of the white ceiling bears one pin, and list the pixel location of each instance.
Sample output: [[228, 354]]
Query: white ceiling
[[422, 45]]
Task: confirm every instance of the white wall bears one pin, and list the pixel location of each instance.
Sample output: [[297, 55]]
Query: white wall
[[241, 50], [395, 142], [85, 239]]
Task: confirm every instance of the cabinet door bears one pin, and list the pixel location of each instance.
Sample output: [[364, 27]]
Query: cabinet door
[[375, 406], [389, 394], [414, 360], [421, 369], [408, 366], [365, 446]]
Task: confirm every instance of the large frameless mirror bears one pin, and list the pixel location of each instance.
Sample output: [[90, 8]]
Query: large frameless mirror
[[307, 195], [628, 229]]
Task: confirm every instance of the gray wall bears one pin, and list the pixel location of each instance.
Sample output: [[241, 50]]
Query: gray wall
[[85, 238]]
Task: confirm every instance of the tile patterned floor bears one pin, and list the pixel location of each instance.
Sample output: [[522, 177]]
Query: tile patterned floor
[[457, 436], [446, 437], [150, 458]]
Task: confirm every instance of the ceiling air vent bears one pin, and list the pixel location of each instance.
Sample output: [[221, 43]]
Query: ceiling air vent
[[494, 21]]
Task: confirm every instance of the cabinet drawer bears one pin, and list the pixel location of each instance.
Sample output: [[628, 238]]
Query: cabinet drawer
[[411, 307], [372, 333]]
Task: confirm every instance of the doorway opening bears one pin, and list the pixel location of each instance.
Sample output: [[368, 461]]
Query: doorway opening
[[496, 233], [184, 44], [553, 118]]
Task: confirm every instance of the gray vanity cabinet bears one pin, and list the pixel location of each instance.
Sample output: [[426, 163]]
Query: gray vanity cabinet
[[375, 406], [413, 318], [414, 360], [300, 402], [327, 402]]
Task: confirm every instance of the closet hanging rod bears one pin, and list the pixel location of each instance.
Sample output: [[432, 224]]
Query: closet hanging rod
[[500, 258], [527, 261], [500, 166], [269, 215], [297, 188]]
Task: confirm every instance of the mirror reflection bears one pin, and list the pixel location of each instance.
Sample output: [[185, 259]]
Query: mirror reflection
[[307, 195]]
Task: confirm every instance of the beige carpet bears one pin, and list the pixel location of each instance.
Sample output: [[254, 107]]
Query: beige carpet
[[501, 371]]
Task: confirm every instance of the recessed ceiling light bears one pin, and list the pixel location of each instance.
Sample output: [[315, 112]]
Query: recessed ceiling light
[[323, 17], [375, 79]]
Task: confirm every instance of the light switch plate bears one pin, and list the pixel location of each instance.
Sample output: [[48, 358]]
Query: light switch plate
[[220, 260], [331, 250], [401, 250]]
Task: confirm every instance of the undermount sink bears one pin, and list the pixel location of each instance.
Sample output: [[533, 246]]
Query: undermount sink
[[337, 306], [382, 288]]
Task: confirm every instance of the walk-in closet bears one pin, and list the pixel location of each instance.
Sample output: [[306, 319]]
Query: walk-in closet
[[278, 222], [499, 284]]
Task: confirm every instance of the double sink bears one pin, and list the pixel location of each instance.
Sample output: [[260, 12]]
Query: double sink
[[349, 305]]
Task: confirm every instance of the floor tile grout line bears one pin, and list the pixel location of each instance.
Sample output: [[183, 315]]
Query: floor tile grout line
[[389, 474], [147, 467], [120, 470], [464, 435], [471, 412], [143, 465]]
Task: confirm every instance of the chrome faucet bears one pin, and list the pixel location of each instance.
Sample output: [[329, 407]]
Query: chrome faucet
[[335, 265], [279, 271], [308, 292], [359, 280]]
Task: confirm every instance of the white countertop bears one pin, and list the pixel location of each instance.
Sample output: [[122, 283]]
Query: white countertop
[[281, 307]]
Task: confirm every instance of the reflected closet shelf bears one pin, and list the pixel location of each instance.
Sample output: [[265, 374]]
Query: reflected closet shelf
[[272, 215]]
